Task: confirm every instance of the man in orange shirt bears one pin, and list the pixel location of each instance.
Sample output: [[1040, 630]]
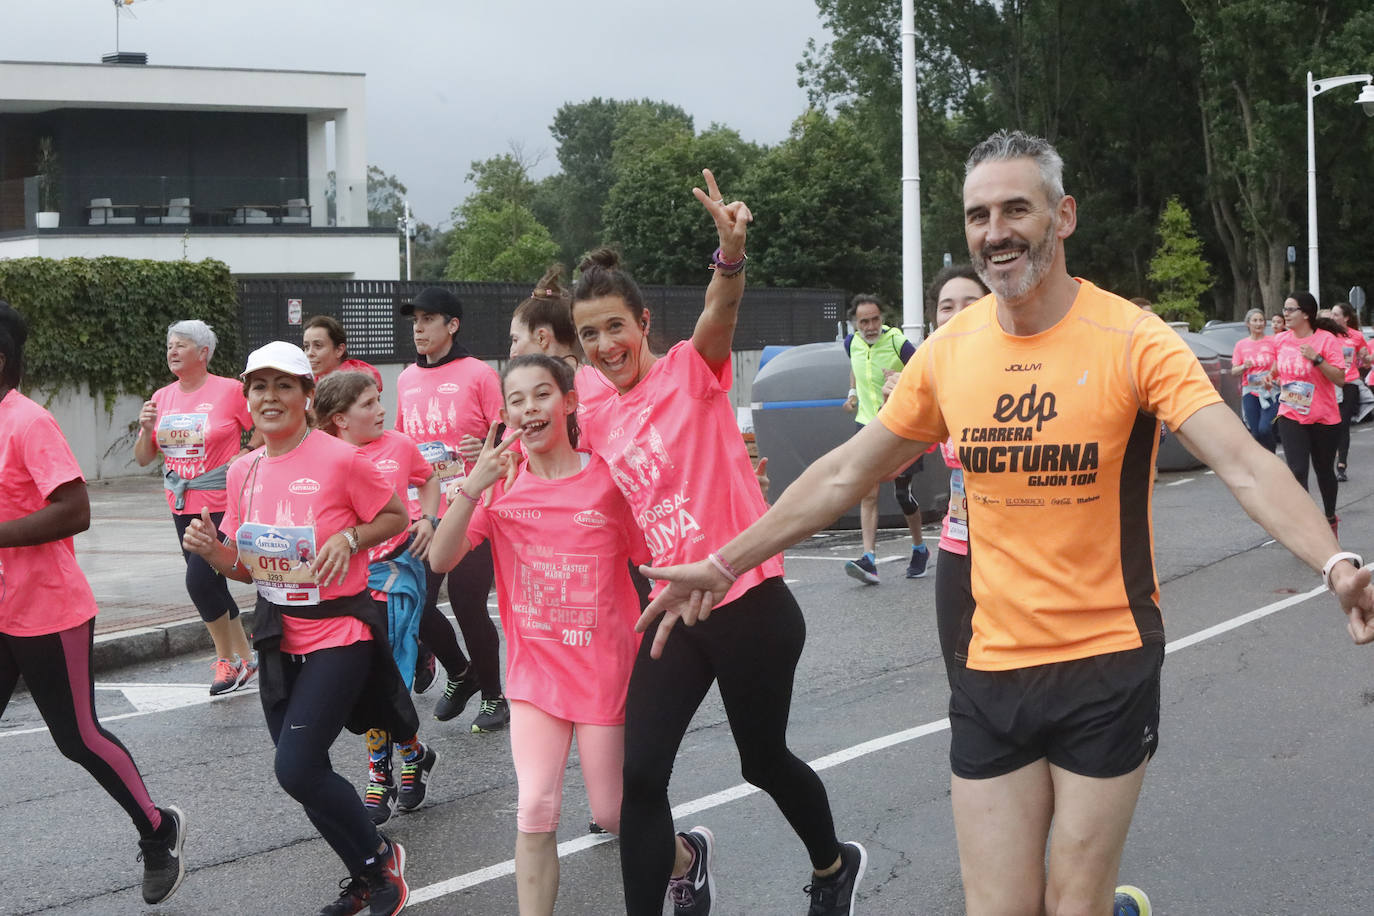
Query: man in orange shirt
[[1051, 390]]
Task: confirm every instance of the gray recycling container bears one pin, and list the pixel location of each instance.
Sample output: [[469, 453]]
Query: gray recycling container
[[798, 415]]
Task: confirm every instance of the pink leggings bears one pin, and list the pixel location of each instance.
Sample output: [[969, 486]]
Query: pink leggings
[[539, 743]]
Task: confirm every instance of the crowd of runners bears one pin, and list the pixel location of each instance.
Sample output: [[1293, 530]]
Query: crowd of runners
[[592, 462]]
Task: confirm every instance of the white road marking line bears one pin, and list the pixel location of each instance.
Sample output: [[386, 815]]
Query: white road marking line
[[1179, 483], [845, 755], [789, 556]]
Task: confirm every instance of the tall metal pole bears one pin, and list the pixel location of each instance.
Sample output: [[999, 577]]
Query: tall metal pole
[[1314, 89], [407, 232], [913, 288], [1313, 280]]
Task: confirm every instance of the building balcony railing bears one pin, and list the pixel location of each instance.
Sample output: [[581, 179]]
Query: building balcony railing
[[159, 202]]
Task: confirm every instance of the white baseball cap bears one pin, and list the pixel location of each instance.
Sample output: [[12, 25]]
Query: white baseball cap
[[281, 355]]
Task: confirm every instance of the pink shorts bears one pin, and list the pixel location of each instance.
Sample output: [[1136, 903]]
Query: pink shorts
[[539, 744]]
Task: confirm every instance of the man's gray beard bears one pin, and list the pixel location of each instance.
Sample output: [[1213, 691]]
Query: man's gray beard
[[1040, 255]]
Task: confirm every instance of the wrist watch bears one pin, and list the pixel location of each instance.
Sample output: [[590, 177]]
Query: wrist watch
[[1318, 360], [433, 522]]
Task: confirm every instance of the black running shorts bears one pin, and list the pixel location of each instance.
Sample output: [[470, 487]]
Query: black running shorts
[[1096, 716]]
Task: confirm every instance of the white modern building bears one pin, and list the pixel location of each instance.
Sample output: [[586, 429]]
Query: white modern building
[[139, 161]]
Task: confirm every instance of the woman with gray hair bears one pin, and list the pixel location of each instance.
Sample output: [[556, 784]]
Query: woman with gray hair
[[1252, 359], [195, 422]]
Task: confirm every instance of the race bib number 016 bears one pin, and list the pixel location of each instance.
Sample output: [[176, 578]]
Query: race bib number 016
[[1298, 396], [278, 557], [446, 467], [182, 435]]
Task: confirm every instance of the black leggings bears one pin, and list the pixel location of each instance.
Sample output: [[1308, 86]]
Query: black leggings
[[1313, 443], [209, 590], [750, 649], [469, 583], [1350, 402], [57, 669], [321, 688]]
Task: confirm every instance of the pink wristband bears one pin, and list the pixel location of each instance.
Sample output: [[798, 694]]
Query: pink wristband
[[723, 567], [475, 500]]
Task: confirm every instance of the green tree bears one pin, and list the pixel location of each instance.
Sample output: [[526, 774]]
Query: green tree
[[571, 202], [826, 212], [1178, 270], [651, 215], [496, 237]]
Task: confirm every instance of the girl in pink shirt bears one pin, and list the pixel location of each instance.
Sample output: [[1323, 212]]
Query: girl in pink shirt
[[348, 405], [954, 289], [300, 508], [1355, 351], [195, 423], [1252, 359], [561, 536], [1308, 365], [673, 447], [47, 611]]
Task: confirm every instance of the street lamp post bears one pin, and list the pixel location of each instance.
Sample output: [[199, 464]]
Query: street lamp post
[[913, 292], [1365, 101]]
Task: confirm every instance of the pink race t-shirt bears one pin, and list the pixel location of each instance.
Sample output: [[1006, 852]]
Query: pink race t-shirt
[[1261, 353], [592, 387], [954, 528], [42, 589], [568, 605], [1352, 345], [400, 463], [323, 485], [440, 405], [1305, 394], [357, 365], [676, 453], [198, 431]]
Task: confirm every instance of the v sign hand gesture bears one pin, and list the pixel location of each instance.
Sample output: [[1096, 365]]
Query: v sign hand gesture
[[732, 219]]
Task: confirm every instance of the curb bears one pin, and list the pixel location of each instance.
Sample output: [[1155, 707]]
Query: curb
[[123, 648]]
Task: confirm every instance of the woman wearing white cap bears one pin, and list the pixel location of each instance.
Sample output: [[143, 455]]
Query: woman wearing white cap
[[299, 509]]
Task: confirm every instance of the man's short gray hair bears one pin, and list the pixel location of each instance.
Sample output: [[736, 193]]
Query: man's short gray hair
[[1014, 144], [196, 331]]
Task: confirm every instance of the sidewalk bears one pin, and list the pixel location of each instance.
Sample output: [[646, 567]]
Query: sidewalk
[[131, 557]]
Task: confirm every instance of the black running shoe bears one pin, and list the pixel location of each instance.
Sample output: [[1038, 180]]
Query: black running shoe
[[415, 780], [493, 716], [834, 895], [163, 867], [352, 899], [379, 798], [387, 891], [594, 827], [425, 669], [691, 894], [456, 696]]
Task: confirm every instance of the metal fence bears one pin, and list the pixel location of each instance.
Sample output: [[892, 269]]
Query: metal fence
[[272, 309]]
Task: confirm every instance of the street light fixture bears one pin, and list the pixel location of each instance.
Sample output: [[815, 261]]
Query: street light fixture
[[1365, 101]]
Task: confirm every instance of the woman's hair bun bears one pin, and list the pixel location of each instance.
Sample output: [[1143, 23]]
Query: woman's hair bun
[[604, 257]]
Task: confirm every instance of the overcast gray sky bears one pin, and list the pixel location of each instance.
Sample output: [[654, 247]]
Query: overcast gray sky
[[450, 81]]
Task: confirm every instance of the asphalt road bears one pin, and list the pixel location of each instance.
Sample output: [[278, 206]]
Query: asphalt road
[[1256, 804]]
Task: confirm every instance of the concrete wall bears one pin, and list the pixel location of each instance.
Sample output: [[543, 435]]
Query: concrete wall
[[103, 442]]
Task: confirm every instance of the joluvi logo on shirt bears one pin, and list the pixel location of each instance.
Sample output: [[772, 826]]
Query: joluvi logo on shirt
[[388, 465], [304, 486], [205, 408], [590, 518]]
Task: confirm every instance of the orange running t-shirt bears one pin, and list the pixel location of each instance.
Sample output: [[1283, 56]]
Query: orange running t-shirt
[[1057, 434]]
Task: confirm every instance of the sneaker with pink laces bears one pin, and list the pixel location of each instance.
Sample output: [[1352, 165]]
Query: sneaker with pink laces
[[227, 676]]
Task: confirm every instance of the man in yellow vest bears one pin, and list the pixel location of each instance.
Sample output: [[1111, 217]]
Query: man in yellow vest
[[876, 352]]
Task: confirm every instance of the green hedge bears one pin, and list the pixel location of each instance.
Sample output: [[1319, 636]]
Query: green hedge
[[103, 321]]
